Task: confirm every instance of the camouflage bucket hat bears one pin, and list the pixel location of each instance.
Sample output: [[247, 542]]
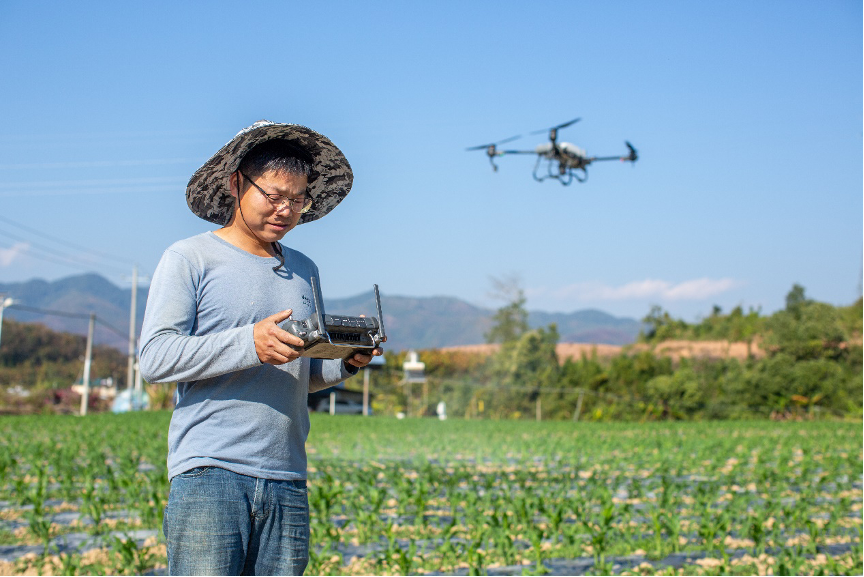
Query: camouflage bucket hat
[[208, 193]]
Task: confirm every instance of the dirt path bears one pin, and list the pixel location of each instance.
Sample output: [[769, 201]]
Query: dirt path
[[674, 349]]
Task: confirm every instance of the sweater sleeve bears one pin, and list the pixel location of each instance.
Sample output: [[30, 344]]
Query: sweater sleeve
[[325, 373], [169, 349]]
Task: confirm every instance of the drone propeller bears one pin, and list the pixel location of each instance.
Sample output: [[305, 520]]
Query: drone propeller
[[492, 149], [559, 127], [493, 145], [633, 156]]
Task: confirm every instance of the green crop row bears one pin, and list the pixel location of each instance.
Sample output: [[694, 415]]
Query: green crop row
[[413, 496]]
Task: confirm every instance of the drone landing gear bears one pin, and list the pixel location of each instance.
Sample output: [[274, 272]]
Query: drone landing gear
[[564, 175], [575, 174]]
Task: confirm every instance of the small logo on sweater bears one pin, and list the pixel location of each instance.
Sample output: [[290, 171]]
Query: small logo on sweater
[[306, 300]]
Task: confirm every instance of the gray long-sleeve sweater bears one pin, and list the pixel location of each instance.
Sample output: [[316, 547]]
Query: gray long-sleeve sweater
[[232, 411]]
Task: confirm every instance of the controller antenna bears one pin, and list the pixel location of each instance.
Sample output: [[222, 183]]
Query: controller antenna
[[319, 315], [380, 314]]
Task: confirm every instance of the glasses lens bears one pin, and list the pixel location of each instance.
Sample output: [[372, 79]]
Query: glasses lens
[[305, 206], [300, 205]]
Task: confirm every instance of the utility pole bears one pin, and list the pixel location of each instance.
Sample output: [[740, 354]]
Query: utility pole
[[130, 370], [85, 397], [4, 302]]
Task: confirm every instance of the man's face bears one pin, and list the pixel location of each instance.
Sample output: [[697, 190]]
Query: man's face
[[269, 218]]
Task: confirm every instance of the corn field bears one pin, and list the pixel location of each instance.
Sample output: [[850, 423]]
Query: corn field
[[458, 497]]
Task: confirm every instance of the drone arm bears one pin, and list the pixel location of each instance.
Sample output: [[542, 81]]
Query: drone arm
[[632, 157], [629, 158], [599, 158], [495, 152], [502, 152]]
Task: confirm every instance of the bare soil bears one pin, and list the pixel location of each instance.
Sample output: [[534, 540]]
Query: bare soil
[[676, 350]]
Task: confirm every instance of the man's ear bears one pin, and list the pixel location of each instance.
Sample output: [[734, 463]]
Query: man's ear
[[234, 182]]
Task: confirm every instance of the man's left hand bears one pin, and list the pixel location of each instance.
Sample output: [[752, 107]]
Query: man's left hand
[[360, 360]]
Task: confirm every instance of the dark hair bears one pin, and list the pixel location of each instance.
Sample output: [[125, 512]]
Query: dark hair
[[281, 156]]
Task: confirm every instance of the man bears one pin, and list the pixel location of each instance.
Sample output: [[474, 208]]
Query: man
[[236, 443]]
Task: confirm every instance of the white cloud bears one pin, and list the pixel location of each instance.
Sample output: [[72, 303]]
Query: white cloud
[[7, 255], [696, 289]]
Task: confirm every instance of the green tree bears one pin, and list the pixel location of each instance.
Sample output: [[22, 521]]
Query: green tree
[[809, 330], [679, 394], [796, 299], [784, 384], [526, 366], [511, 320], [851, 318], [533, 360], [661, 326]]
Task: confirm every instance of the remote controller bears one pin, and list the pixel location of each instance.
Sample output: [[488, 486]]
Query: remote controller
[[335, 336]]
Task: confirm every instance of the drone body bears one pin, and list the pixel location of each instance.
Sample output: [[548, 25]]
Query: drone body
[[566, 162]]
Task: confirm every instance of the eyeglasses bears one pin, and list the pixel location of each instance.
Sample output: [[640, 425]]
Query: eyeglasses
[[299, 205]]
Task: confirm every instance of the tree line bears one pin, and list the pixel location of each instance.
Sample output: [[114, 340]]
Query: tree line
[[810, 366], [36, 363]]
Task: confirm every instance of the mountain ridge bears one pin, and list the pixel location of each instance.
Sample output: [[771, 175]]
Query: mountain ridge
[[410, 322]]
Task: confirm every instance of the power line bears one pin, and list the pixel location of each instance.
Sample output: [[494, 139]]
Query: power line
[[97, 163], [28, 247], [135, 186], [69, 315], [49, 312], [65, 242], [54, 253], [37, 186], [112, 329]]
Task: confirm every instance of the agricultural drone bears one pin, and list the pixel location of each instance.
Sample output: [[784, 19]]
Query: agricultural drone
[[566, 162]]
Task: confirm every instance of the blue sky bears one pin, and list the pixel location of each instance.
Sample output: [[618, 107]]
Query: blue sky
[[747, 117]]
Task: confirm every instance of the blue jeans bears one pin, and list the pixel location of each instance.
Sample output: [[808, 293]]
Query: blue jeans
[[222, 523]]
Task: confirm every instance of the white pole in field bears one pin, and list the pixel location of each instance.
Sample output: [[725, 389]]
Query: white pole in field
[[130, 369], [4, 302], [408, 394], [85, 396], [332, 402], [139, 390], [578, 410], [366, 392]]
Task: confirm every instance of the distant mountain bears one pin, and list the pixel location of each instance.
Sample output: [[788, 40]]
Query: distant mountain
[[410, 322], [80, 294], [589, 326], [421, 322], [433, 322]]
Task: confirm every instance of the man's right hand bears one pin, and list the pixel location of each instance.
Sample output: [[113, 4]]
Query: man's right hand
[[274, 345]]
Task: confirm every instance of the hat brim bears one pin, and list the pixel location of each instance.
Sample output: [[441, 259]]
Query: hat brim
[[208, 193]]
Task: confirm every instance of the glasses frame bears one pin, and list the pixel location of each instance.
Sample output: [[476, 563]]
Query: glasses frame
[[282, 200]]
